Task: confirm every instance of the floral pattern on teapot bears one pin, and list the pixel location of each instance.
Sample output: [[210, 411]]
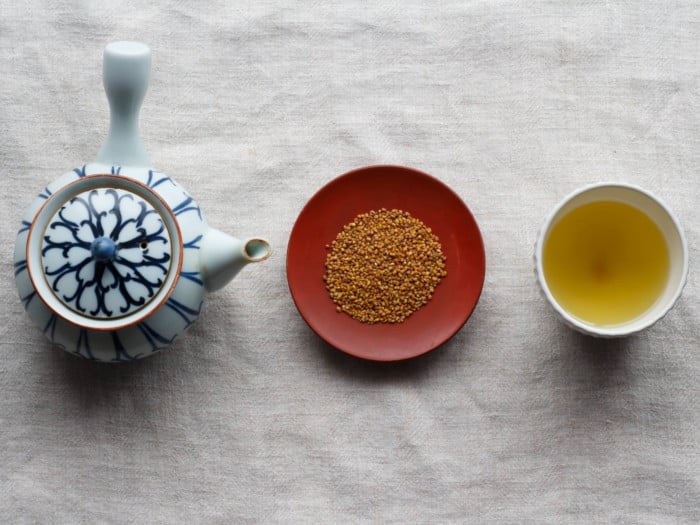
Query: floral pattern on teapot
[[119, 287], [115, 252]]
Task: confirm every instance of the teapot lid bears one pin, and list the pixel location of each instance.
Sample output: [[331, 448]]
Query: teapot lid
[[105, 252]]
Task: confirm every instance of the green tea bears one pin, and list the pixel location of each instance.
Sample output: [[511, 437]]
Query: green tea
[[606, 262]]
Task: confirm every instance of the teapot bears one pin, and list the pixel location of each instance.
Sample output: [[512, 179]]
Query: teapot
[[113, 259]]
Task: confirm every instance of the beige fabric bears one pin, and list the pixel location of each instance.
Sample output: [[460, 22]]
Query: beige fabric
[[251, 418]]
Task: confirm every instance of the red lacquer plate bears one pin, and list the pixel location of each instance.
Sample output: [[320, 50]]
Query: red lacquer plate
[[425, 198]]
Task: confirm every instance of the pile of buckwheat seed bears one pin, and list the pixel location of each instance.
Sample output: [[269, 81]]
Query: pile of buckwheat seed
[[383, 266]]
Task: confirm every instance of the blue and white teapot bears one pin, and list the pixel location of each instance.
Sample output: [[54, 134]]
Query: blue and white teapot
[[113, 259]]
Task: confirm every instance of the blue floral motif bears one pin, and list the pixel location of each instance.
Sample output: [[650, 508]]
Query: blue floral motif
[[120, 351], [155, 339], [186, 205], [106, 252], [192, 276], [50, 327], [20, 266], [28, 299], [152, 182], [194, 243], [184, 311], [83, 344]]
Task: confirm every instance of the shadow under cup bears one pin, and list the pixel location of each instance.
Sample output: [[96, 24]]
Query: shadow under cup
[[634, 200]]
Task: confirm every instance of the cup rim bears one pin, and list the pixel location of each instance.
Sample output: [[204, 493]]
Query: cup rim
[[623, 329]]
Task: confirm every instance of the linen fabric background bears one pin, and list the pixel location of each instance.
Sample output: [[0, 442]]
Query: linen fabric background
[[251, 418]]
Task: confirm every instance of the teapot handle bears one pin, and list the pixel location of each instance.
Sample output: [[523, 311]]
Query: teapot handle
[[126, 72]]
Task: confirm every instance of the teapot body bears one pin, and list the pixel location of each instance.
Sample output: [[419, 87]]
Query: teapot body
[[108, 261]]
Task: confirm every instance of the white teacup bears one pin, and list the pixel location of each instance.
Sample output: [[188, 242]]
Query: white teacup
[[598, 250]]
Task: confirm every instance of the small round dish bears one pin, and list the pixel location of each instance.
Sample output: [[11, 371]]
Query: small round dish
[[425, 198]]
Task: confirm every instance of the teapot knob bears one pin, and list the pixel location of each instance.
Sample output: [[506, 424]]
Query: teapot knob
[[126, 72]]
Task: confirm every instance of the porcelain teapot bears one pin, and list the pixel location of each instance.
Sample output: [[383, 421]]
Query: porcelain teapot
[[113, 259]]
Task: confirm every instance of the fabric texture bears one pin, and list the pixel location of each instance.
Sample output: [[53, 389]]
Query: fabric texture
[[250, 417]]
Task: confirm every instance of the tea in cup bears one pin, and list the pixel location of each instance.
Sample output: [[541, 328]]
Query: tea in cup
[[611, 259]]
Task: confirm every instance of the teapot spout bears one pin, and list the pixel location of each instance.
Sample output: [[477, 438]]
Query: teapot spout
[[223, 256]]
